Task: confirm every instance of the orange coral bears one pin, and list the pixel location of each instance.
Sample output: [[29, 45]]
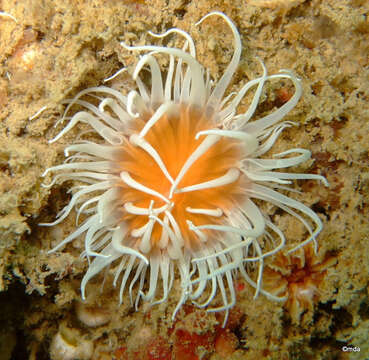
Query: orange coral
[[297, 276]]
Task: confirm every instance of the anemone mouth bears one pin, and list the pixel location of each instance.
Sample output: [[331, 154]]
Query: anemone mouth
[[163, 182], [171, 183]]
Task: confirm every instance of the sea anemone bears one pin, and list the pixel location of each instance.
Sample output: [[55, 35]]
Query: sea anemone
[[69, 344], [169, 184], [298, 277]]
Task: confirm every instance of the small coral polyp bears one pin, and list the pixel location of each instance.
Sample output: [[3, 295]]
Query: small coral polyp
[[169, 187], [298, 276]]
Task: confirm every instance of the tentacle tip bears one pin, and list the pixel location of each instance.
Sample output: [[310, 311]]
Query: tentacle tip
[[47, 224], [127, 47], [219, 13]]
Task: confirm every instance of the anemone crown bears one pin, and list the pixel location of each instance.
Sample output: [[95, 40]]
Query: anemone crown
[[171, 182]]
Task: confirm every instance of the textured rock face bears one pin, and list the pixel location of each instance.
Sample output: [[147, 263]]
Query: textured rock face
[[58, 48]]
